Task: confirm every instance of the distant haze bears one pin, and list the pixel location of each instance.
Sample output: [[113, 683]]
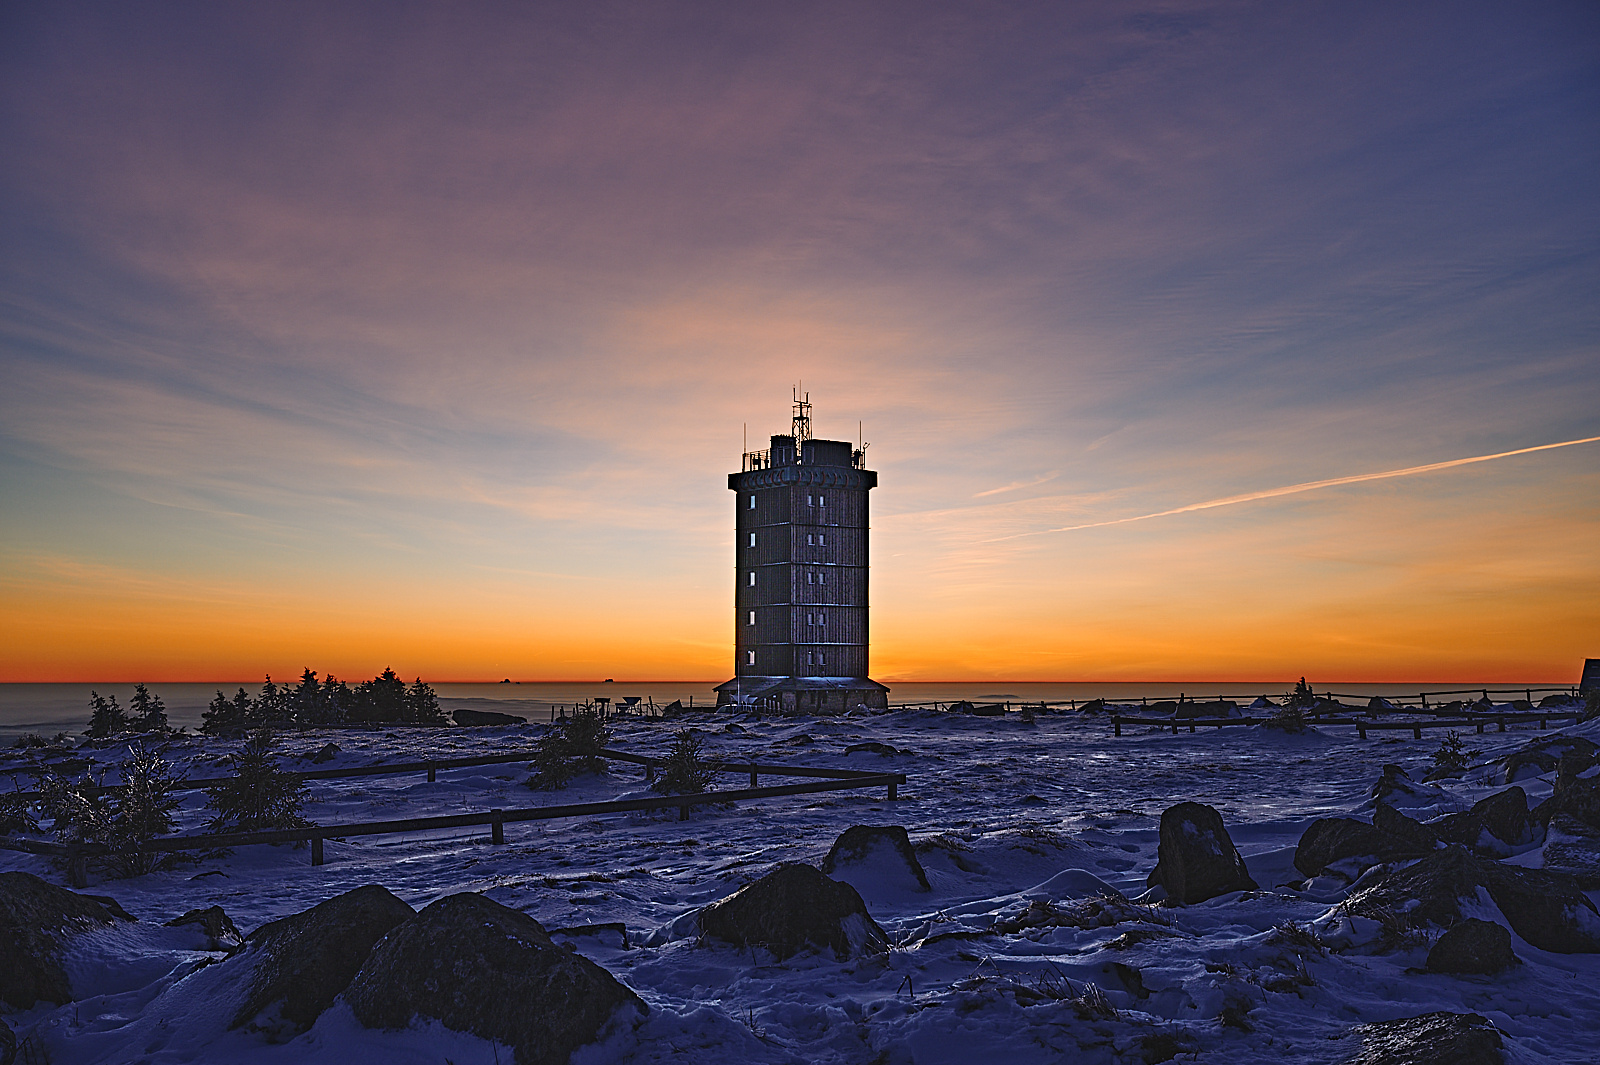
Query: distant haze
[[358, 335]]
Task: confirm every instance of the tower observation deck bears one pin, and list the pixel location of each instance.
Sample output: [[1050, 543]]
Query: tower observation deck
[[800, 575]]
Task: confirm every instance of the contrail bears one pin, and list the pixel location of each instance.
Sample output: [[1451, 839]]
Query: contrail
[[1307, 486]]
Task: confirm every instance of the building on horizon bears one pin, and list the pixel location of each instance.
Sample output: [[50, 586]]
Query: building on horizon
[[800, 575]]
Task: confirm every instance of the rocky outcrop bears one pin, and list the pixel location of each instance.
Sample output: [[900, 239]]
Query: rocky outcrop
[[881, 854], [1472, 947], [1432, 1039], [36, 919], [792, 908], [1544, 756], [479, 967], [302, 963], [1579, 800], [215, 925], [1503, 816], [486, 717], [1333, 839], [1408, 829], [1196, 859], [1546, 909], [1572, 848]]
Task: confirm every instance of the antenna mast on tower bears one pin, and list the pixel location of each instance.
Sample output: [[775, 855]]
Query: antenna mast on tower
[[801, 430]]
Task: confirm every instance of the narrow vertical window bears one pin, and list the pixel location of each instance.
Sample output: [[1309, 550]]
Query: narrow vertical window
[[752, 617], [808, 499], [822, 501], [750, 658], [752, 502], [810, 539], [821, 661], [822, 578], [822, 539], [752, 578], [752, 539]]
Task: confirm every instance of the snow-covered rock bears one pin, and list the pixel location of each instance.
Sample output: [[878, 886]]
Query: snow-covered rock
[[36, 919], [792, 908], [1197, 859], [876, 859]]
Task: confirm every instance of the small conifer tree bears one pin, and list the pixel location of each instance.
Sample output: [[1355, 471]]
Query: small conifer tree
[[140, 812], [1302, 698], [106, 718], [685, 771], [568, 747], [260, 795], [1451, 759], [422, 704], [146, 710]]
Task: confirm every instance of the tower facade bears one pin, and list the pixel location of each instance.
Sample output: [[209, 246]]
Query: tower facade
[[800, 575]]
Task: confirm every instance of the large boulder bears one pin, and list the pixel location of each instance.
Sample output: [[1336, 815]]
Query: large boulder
[[1494, 826], [479, 967], [792, 908], [1572, 847], [1545, 756], [486, 717], [1196, 859], [36, 919], [1579, 800], [876, 857], [1332, 839], [300, 964], [1546, 909], [1412, 832], [1473, 947], [1432, 1039]]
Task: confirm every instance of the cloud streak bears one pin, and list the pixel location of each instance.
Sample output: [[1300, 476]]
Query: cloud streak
[[1305, 486]]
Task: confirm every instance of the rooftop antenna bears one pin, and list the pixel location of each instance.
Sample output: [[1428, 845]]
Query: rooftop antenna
[[801, 430]]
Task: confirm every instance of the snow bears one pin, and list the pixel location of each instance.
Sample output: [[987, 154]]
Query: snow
[[1036, 840]]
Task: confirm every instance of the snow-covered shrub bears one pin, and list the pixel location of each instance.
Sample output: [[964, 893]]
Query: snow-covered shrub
[[16, 815], [570, 746], [1290, 718], [28, 740], [1451, 759], [684, 771], [260, 796]]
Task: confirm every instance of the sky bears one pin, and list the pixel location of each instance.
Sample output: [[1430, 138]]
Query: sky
[[425, 335]]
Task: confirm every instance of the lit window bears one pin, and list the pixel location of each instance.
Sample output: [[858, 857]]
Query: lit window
[[750, 658], [810, 539], [822, 501], [822, 539], [752, 502], [808, 500], [752, 539], [752, 617], [809, 621], [811, 578], [752, 578], [819, 618], [820, 660], [822, 578]]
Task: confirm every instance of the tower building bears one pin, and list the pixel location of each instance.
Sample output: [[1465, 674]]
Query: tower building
[[800, 574]]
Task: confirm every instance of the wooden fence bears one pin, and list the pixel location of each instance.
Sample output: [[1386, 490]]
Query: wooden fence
[[1363, 725], [77, 855]]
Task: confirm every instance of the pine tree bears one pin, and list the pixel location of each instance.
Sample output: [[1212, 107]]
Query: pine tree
[[422, 704], [106, 718], [684, 771], [259, 796], [140, 812], [337, 701], [148, 712]]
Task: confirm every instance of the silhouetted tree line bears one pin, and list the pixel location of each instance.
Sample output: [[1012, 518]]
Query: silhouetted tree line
[[145, 713], [385, 699]]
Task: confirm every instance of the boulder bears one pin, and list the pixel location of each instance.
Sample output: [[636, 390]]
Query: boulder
[[1504, 815], [36, 919], [791, 908], [1572, 848], [874, 856], [303, 962], [1220, 708], [486, 717], [1161, 706], [1579, 800], [1331, 839], [871, 747], [1440, 1038], [1546, 909], [1414, 833], [1196, 859], [1544, 756], [326, 753], [8, 1044], [1473, 946], [988, 710], [219, 930], [479, 967]]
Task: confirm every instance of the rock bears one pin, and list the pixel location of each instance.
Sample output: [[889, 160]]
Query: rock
[[1579, 800], [479, 967], [1196, 859], [1505, 815], [1432, 1039], [1546, 909], [8, 1044], [793, 907], [1544, 756], [988, 710], [1473, 946], [219, 930], [1220, 708], [868, 856], [1093, 706], [1161, 706], [1331, 839], [36, 919], [1572, 848], [1414, 833], [111, 905], [486, 717], [305, 961], [871, 747], [326, 753]]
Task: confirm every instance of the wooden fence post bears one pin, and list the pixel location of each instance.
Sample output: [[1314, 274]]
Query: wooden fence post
[[316, 850], [752, 774], [497, 828], [431, 771], [894, 793]]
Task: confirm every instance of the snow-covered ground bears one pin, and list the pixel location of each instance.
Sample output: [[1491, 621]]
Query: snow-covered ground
[[982, 969]]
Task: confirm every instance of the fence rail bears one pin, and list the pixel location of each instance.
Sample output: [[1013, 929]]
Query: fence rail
[[1362, 725], [78, 854]]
